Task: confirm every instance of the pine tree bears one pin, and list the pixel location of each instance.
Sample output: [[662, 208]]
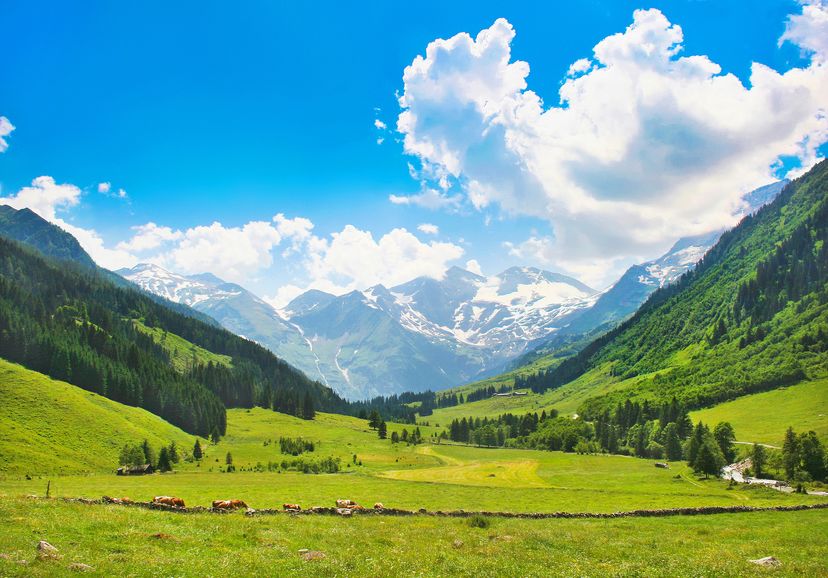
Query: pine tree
[[228, 459], [173, 453], [790, 454], [307, 410], [709, 460], [214, 436], [725, 436], [812, 455], [197, 453], [672, 443], [164, 464], [149, 454], [382, 430], [374, 419], [395, 438], [758, 457]]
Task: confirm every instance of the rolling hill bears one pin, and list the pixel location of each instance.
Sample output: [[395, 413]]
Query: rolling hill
[[53, 427]]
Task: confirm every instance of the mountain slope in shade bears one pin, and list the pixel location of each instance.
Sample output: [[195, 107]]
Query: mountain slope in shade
[[28, 227]]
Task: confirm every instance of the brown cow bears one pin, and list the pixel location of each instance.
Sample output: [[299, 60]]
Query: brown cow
[[379, 506], [345, 503], [292, 507], [168, 501], [228, 504]]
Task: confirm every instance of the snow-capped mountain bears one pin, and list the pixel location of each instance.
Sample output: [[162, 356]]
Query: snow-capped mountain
[[426, 333], [234, 307]]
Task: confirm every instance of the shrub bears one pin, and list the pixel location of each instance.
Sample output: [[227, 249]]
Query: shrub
[[478, 521]]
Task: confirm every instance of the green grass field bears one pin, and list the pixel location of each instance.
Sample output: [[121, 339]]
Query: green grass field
[[764, 417], [116, 540], [52, 427], [426, 476]]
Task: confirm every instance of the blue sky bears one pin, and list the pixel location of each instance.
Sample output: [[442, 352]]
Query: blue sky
[[212, 111]]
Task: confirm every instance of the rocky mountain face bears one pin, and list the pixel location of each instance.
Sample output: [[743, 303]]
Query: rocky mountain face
[[424, 334]]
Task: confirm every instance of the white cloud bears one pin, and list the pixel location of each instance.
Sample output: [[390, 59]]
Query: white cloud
[[45, 197], [104, 188], [232, 253], [122, 194], [149, 236], [428, 199], [284, 295], [809, 30], [5, 130], [379, 124], [647, 145], [473, 266], [352, 259], [428, 229]]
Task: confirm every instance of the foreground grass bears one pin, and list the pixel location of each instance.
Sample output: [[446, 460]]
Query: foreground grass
[[130, 541], [764, 417]]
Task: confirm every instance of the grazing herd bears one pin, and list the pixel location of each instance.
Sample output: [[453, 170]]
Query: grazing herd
[[343, 507]]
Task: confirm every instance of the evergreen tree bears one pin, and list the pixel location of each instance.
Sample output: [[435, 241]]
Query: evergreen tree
[[790, 454], [709, 460], [197, 453], [307, 409], [813, 455], [382, 430], [725, 436], [164, 462], [672, 443], [758, 457], [214, 436], [149, 453], [374, 419], [173, 453], [228, 459], [395, 438]]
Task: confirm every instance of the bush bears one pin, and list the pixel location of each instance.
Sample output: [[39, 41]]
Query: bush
[[478, 521]]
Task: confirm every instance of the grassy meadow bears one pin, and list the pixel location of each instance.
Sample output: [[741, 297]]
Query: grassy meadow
[[764, 417]]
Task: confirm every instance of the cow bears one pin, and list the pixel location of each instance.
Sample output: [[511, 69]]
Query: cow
[[123, 500], [379, 506], [228, 504], [345, 503], [168, 501], [292, 507], [358, 508]]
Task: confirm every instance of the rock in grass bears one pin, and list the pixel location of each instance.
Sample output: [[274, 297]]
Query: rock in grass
[[313, 555], [46, 550], [81, 567], [767, 561], [457, 544], [303, 550]]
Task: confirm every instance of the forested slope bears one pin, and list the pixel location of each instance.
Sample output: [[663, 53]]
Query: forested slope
[[72, 323], [752, 316]]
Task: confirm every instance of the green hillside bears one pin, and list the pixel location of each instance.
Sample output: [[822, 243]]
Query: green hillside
[[751, 317], [764, 417], [52, 427]]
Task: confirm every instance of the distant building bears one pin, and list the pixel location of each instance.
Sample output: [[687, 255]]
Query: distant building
[[510, 394], [135, 470]]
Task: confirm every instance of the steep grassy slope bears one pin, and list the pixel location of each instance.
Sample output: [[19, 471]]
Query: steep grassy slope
[[52, 427], [751, 317]]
